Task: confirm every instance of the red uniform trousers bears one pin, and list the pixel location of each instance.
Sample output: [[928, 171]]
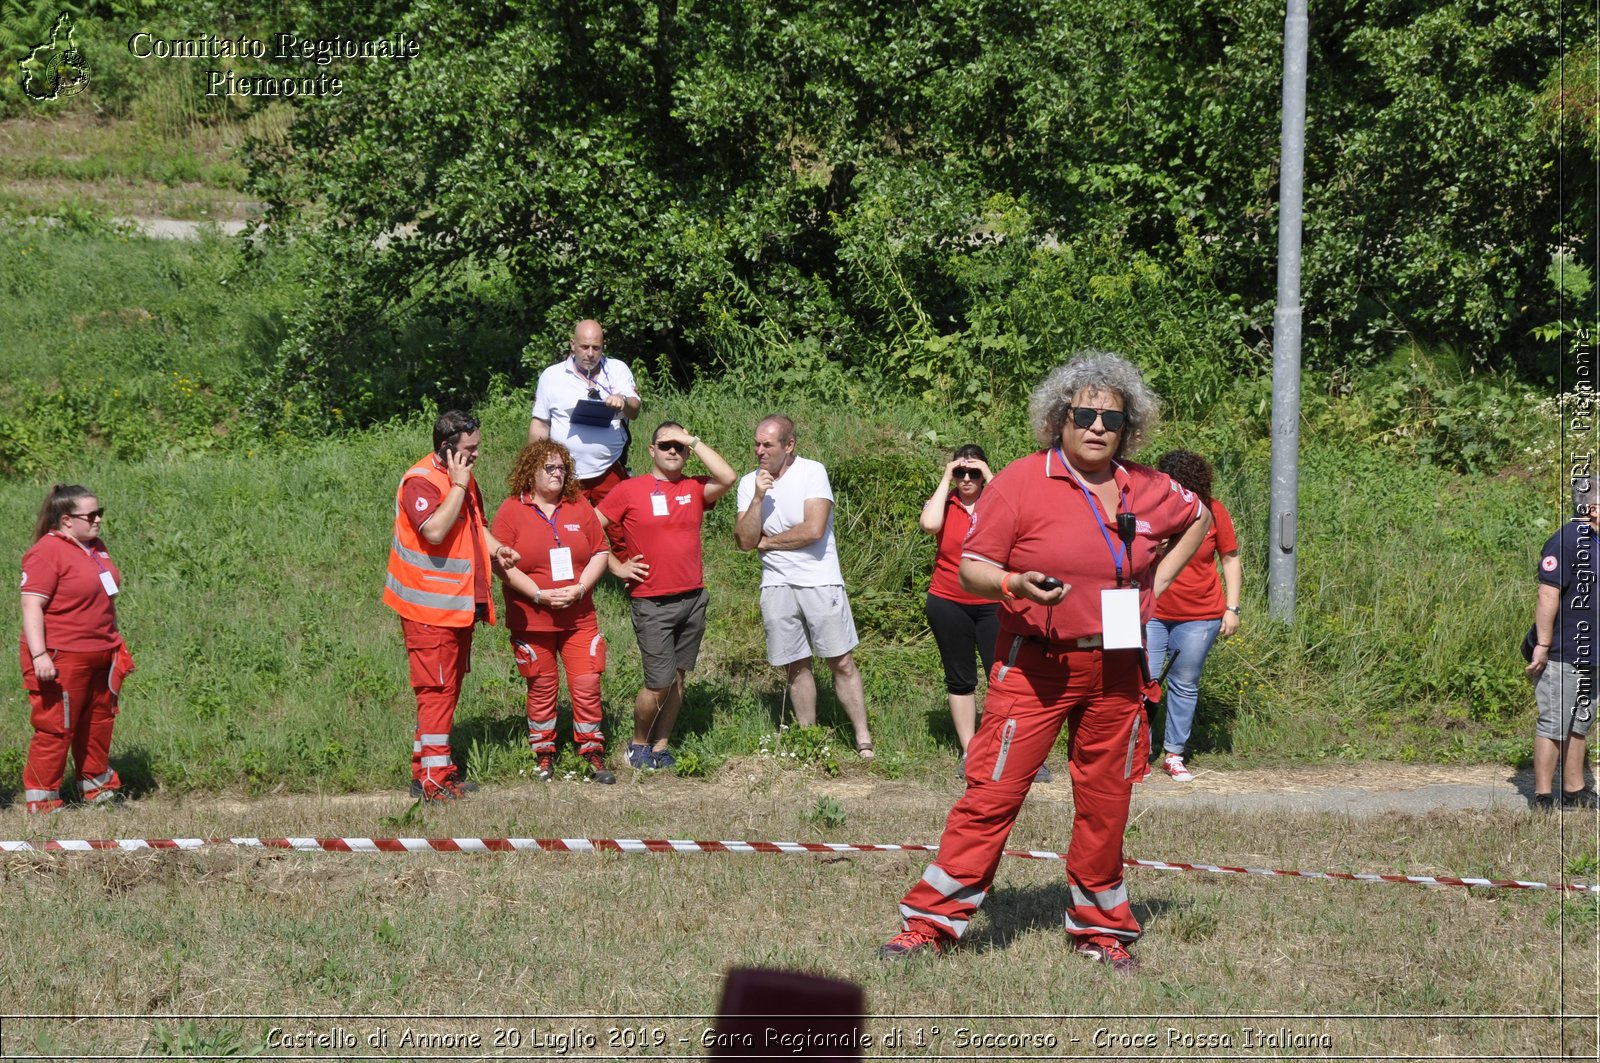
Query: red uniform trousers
[[438, 657], [75, 712], [582, 650], [1032, 692]]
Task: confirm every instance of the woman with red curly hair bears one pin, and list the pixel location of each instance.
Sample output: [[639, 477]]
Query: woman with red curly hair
[[550, 600]]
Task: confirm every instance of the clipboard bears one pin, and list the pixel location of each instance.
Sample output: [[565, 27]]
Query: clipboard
[[592, 412]]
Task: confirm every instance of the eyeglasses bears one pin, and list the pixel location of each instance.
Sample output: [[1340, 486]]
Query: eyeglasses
[[555, 470], [968, 474], [672, 448], [594, 393], [91, 516], [1084, 417]]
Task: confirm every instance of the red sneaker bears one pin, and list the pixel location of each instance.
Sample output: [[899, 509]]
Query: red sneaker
[[911, 943], [446, 789], [1109, 951], [597, 766]]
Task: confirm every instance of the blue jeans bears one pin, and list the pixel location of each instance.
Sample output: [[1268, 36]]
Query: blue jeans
[[1191, 640]]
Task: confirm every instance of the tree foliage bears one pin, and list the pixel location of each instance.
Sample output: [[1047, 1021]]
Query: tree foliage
[[945, 195]]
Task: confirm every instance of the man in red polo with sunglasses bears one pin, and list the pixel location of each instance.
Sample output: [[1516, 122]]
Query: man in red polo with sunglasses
[[661, 514], [584, 402]]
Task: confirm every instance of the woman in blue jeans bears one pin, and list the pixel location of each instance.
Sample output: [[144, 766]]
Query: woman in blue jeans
[[1194, 611]]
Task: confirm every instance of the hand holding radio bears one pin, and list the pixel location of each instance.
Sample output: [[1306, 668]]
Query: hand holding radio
[[1034, 586]]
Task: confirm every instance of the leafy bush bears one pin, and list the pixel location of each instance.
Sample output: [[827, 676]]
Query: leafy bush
[[1424, 405], [938, 198]]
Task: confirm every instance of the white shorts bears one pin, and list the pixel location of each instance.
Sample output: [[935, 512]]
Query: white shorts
[[806, 621]]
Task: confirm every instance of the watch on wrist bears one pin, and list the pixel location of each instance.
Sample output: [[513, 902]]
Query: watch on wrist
[[1234, 609]]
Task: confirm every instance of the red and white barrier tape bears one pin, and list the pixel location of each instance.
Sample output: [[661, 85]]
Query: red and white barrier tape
[[660, 845]]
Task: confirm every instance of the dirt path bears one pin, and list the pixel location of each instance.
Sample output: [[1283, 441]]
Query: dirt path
[[1357, 789], [1354, 789], [177, 229]]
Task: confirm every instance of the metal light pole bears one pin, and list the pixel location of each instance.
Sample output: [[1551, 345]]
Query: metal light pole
[[1283, 508]]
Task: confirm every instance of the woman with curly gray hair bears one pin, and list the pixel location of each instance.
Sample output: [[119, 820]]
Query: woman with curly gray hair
[[1051, 403], [1068, 541]]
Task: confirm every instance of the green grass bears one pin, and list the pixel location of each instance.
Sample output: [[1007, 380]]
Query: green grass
[[254, 562], [168, 162], [111, 343], [267, 659]]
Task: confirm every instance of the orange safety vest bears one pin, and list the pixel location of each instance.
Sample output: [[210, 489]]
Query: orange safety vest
[[432, 583]]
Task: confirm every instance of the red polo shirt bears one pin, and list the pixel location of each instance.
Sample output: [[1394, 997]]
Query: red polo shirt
[[519, 525], [946, 581], [1035, 516], [1197, 592], [79, 616], [670, 540]]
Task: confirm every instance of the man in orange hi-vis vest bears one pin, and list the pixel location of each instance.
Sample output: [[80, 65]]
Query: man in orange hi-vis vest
[[438, 582]]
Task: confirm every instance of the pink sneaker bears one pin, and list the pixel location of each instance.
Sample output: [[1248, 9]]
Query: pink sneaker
[[1172, 764]]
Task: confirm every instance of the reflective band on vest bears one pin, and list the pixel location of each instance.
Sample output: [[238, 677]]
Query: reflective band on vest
[[433, 583]]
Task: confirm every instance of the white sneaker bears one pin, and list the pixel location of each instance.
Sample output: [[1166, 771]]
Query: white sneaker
[[1172, 764]]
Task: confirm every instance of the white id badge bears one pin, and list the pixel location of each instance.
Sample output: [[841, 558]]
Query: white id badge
[[658, 505], [561, 562], [1119, 618], [109, 582]]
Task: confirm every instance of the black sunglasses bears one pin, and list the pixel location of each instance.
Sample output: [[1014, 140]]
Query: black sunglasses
[[91, 516], [673, 448], [968, 474], [1084, 417], [594, 393]]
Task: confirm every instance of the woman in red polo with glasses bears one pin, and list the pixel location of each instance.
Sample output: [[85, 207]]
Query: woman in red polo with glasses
[[1068, 541], [73, 657], [550, 601]]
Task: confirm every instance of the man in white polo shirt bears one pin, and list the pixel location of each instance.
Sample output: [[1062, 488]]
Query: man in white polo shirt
[[786, 513], [584, 403]]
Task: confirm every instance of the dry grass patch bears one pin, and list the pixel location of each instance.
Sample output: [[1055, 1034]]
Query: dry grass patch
[[519, 940], [120, 168]]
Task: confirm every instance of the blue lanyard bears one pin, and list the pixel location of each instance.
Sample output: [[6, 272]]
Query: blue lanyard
[[550, 520], [1118, 553]]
